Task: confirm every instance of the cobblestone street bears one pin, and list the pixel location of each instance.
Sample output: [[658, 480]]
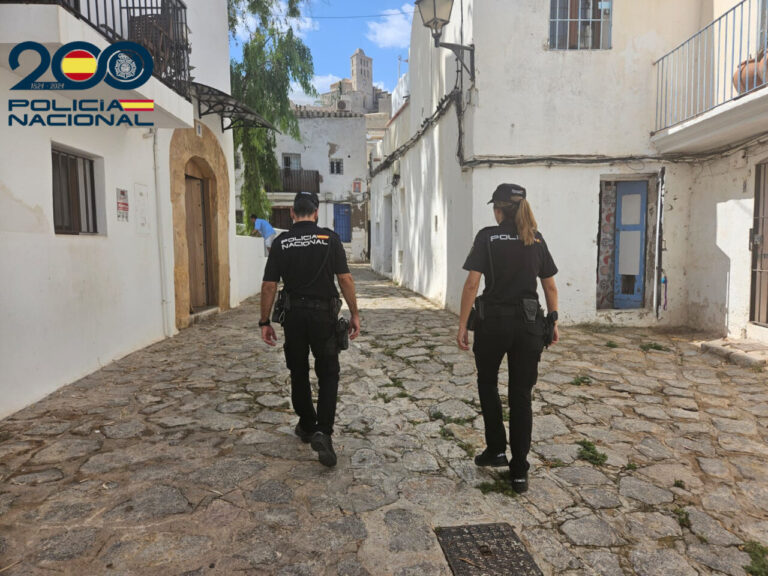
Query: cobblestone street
[[181, 458]]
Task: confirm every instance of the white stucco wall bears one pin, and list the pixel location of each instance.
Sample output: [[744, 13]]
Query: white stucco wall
[[722, 206], [531, 100], [71, 304], [322, 139], [209, 36], [250, 258]]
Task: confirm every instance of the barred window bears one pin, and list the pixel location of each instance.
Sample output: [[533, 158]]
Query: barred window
[[337, 166], [74, 198], [580, 24]]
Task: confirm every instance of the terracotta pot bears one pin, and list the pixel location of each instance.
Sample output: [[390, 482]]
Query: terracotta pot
[[749, 75]]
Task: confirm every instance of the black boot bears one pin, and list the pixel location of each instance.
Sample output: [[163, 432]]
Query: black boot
[[321, 443], [487, 458], [519, 482], [303, 434]]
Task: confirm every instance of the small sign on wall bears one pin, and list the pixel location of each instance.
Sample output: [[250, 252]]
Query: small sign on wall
[[122, 205]]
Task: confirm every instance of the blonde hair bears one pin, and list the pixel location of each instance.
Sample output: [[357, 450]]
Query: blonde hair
[[525, 222]]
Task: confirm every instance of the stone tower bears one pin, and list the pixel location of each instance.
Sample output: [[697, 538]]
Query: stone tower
[[362, 76]]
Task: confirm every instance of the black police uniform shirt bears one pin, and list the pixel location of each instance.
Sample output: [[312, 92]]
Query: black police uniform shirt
[[297, 255], [515, 265]]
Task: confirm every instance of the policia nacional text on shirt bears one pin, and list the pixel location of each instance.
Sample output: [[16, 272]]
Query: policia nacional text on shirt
[[306, 258], [508, 321]]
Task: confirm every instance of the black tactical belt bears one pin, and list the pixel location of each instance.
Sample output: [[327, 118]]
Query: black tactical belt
[[310, 303]]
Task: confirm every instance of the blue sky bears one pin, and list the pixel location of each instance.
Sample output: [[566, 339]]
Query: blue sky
[[333, 40]]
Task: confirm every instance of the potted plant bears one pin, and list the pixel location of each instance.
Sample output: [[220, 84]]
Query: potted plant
[[750, 74]]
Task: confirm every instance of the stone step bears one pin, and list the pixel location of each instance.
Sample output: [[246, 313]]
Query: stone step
[[748, 353]]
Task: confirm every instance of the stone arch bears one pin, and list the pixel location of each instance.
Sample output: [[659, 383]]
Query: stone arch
[[200, 157]]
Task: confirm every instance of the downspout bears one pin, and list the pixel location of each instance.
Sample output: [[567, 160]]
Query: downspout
[[658, 270], [165, 305]]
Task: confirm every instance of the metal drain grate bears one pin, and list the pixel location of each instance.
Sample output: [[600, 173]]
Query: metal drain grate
[[486, 550]]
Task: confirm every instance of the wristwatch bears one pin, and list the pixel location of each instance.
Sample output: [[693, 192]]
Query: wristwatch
[[263, 323], [553, 315]]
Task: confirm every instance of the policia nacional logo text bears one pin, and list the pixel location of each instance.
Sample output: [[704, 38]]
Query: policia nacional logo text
[[80, 66], [304, 241]]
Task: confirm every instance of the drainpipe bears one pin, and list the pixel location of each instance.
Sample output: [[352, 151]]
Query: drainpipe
[[657, 273], [167, 327]]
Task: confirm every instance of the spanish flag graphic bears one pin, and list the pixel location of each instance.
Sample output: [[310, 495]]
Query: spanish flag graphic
[[78, 65], [319, 237], [137, 105]]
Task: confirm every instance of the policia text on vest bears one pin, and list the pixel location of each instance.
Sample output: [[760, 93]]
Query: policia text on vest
[[508, 321], [307, 258]]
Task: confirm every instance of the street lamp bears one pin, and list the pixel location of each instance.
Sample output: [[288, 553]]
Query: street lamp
[[435, 14]]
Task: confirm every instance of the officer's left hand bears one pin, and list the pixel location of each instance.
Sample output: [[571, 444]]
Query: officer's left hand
[[268, 335], [462, 338]]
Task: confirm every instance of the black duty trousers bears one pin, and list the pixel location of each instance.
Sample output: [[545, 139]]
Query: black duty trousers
[[314, 330], [522, 343]]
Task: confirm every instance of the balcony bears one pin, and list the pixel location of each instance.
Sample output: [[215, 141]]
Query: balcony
[[158, 25], [709, 88], [299, 181]]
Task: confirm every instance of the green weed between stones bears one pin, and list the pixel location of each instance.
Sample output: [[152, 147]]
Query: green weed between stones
[[631, 466], [682, 517], [446, 434], [589, 452], [579, 380], [436, 415], [653, 346], [611, 344], [679, 484], [758, 555], [397, 383], [554, 463], [500, 485]]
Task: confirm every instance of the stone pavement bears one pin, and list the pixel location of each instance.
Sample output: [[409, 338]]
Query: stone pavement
[[181, 458]]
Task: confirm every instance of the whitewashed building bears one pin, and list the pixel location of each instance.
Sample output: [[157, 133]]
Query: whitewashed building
[[638, 140], [113, 237], [329, 159]]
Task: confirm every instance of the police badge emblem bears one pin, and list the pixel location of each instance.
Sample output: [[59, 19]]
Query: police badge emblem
[[125, 67]]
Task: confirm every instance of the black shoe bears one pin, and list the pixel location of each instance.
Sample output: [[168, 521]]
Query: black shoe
[[519, 483], [487, 458], [303, 434], [321, 443]]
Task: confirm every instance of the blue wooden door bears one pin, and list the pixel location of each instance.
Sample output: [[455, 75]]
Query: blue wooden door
[[342, 221], [629, 280]]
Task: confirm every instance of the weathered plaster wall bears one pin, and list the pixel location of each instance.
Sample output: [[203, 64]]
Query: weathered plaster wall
[[249, 256], [722, 211]]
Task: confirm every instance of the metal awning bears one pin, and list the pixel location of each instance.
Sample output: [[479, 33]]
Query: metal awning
[[213, 101]]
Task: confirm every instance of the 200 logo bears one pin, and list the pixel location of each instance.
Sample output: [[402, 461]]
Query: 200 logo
[[81, 65]]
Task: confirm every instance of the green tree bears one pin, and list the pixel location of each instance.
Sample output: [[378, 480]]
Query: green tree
[[273, 57]]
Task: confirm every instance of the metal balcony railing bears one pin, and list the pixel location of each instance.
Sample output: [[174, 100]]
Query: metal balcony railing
[[718, 64], [299, 181], [158, 25]]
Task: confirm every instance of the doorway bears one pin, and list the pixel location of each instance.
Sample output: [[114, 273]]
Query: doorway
[[198, 244], [758, 312]]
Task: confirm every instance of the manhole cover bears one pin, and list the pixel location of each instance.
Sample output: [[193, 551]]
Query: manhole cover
[[487, 550]]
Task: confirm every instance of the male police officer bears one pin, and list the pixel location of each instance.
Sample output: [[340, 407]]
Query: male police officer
[[306, 258], [508, 321]]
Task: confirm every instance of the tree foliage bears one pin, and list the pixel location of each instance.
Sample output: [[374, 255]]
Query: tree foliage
[[273, 57]]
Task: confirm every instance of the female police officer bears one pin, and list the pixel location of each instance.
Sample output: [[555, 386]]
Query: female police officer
[[508, 321]]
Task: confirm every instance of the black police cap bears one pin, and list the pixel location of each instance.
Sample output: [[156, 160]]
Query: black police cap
[[306, 200], [507, 193]]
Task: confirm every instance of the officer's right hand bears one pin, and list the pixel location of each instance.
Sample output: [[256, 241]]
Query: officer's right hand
[[354, 327], [462, 338], [268, 335]]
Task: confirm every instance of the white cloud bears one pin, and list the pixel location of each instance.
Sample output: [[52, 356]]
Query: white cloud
[[301, 26], [322, 83], [393, 31]]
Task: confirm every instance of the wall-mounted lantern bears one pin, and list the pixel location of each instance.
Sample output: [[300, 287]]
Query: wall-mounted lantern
[[435, 14]]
